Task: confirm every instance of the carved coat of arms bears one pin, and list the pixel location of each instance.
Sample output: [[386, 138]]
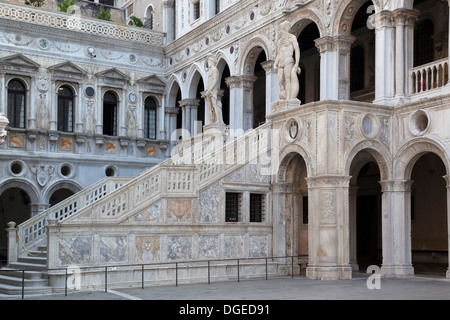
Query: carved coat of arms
[[43, 173]]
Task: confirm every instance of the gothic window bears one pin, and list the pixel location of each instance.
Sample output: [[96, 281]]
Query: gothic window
[[110, 114], [423, 43], [257, 204], [357, 68], [150, 118], [232, 207], [16, 104], [65, 109]]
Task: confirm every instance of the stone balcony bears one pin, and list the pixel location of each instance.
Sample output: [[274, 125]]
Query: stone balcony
[[77, 22]]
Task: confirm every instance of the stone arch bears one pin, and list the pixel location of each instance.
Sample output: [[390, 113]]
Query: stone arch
[[223, 60], [62, 184], [25, 185], [411, 151], [196, 74], [173, 87], [250, 54], [287, 154], [346, 12], [375, 149], [301, 18]]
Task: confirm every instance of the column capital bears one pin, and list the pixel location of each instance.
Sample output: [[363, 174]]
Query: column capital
[[382, 19], [244, 81], [189, 103], [329, 180], [268, 66], [172, 110], [396, 185], [168, 4], [405, 17], [324, 44]]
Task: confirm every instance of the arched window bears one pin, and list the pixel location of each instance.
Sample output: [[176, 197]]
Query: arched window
[[423, 42], [150, 118], [65, 109], [148, 20], [110, 114], [16, 104]]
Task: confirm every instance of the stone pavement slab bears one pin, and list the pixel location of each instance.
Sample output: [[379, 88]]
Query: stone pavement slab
[[282, 288]]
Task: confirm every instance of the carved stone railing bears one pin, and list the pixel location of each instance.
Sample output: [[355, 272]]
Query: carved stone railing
[[182, 174], [74, 22], [33, 230], [429, 76]]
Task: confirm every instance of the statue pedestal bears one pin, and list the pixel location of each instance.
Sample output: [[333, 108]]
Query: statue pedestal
[[216, 130], [284, 105]]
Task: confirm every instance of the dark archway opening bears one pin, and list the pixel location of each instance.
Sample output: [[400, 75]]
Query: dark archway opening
[[15, 205], [429, 234], [368, 217]]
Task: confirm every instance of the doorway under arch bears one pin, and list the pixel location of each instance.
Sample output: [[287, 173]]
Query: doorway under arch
[[296, 207]]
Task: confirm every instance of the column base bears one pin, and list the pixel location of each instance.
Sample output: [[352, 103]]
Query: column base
[[329, 272], [447, 275], [397, 271]]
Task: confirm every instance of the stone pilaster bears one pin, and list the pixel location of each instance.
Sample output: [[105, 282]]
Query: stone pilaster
[[328, 228]]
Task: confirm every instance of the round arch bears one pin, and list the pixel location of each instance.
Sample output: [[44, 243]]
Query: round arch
[[346, 13], [411, 151], [301, 18], [250, 54], [376, 150], [25, 185], [63, 184], [287, 154]]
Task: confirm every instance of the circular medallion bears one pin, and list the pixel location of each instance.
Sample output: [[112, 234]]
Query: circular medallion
[[132, 97], [89, 92]]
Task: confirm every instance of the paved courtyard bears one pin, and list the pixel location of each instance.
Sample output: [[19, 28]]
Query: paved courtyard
[[282, 288]]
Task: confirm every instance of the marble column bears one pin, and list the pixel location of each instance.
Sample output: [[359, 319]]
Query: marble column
[[396, 228], [187, 106], [384, 57], [328, 90], [241, 102], [328, 234], [169, 19], [404, 50], [343, 44], [272, 88], [353, 193]]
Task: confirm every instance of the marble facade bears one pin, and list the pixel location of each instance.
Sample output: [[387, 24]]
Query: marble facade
[[305, 163]]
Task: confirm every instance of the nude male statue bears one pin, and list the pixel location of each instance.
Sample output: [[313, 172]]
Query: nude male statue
[[211, 95], [284, 62]]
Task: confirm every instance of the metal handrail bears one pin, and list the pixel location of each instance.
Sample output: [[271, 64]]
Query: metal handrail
[[143, 265]]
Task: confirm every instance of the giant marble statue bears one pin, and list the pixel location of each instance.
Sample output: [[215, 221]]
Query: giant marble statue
[[211, 93], [287, 67], [3, 123]]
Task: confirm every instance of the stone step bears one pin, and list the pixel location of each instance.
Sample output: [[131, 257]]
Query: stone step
[[33, 260], [27, 266], [18, 273], [17, 281], [17, 290]]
